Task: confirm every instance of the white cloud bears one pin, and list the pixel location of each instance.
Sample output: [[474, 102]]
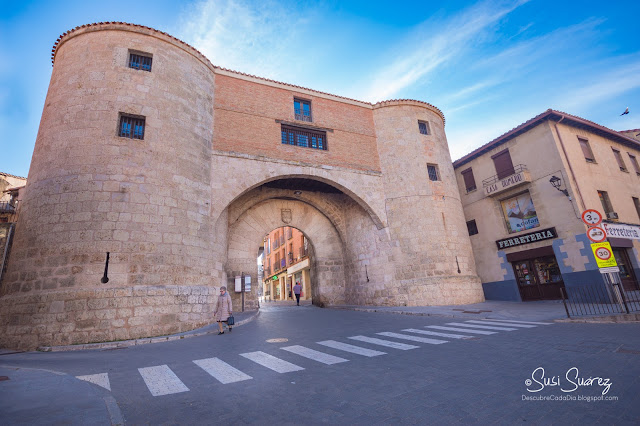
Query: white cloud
[[433, 45], [250, 37], [609, 85]]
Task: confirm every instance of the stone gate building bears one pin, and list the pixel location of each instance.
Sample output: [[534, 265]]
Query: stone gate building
[[178, 169]]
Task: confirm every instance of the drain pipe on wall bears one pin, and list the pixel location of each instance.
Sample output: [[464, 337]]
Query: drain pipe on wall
[[573, 175]]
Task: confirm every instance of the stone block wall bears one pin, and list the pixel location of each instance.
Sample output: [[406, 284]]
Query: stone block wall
[[184, 210], [432, 258], [77, 316]]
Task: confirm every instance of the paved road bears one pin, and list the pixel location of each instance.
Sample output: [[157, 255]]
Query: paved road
[[358, 367]]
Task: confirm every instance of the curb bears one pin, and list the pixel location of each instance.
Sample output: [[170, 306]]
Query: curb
[[605, 319], [111, 405], [384, 311], [203, 331], [477, 314]]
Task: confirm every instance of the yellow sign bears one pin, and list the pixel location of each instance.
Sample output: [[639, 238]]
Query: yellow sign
[[604, 255]]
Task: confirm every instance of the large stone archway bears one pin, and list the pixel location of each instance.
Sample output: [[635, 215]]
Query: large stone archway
[[181, 210], [247, 232]]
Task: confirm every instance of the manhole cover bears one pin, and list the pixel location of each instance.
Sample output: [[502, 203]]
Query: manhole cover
[[279, 340]]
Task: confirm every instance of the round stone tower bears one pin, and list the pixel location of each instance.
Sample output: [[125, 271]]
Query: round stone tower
[[433, 259], [98, 183]]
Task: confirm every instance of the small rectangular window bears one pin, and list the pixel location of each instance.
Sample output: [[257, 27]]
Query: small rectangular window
[[472, 227], [616, 153], [433, 172], [131, 127], [605, 201], [634, 163], [140, 62], [423, 126], [306, 138], [636, 202], [586, 150], [302, 109], [469, 180]]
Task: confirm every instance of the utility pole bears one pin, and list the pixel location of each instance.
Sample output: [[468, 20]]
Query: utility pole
[[242, 278]]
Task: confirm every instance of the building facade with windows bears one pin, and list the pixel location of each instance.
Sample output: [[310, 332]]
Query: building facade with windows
[[11, 193], [287, 260], [523, 195], [177, 169]]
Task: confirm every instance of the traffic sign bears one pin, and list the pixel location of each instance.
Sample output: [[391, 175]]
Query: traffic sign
[[604, 255], [609, 270], [591, 217], [596, 234]]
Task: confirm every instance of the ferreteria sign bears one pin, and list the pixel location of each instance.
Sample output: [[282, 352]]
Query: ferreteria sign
[[544, 234], [617, 230]]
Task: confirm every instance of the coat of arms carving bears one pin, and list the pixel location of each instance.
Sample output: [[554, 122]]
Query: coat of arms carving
[[286, 215]]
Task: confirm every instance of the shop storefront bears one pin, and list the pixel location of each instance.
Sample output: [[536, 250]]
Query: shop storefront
[[621, 237], [537, 273]]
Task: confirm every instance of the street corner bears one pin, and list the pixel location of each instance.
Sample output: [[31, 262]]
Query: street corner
[[27, 396]]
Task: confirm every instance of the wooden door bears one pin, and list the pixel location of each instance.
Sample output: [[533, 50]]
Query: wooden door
[[527, 283]]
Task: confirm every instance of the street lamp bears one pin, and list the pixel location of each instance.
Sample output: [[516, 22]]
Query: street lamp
[[557, 183]]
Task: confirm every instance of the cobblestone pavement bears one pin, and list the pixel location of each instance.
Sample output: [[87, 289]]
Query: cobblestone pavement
[[303, 364]]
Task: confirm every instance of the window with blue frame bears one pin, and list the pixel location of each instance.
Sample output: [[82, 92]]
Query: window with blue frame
[[140, 62], [302, 109], [306, 138], [131, 127]]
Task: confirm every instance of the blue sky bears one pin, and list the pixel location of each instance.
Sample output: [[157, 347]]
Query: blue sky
[[488, 65]]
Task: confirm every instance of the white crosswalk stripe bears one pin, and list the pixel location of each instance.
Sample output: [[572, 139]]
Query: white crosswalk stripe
[[435, 333], [521, 322], [465, 330], [350, 348], [314, 355], [161, 380], [271, 362], [501, 324], [413, 338], [387, 343], [487, 327], [100, 379], [221, 371]]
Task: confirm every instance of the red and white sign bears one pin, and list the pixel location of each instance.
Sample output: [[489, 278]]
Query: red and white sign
[[591, 217], [596, 234], [603, 253]]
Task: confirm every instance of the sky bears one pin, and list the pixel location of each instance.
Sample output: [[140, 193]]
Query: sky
[[488, 65]]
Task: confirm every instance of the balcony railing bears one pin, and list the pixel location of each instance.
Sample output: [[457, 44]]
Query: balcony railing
[[302, 115], [7, 207], [303, 253], [496, 185], [493, 179]]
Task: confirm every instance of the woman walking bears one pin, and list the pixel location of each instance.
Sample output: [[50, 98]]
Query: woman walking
[[223, 309]]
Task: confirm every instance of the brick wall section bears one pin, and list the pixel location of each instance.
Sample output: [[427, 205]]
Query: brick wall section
[[246, 114]]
